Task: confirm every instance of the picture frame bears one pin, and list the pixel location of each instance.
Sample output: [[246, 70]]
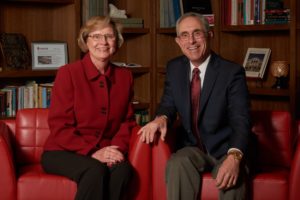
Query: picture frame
[[49, 55], [255, 62]]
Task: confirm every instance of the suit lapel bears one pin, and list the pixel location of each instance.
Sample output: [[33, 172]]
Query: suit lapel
[[184, 87], [209, 81]]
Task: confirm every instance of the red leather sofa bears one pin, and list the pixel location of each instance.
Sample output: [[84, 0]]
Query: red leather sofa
[[21, 175], [277, 161]]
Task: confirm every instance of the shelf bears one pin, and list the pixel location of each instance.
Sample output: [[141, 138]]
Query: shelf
[[7, 118], [161, 70], [141, 106], [139, 70], [136, 30], [47, 73], [269, 92], [40, 1], [251, 28], [166, 30], [27, 73], [171, 30]]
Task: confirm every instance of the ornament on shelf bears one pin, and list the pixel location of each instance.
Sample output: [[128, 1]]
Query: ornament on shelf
[[114, 12], [280, 70]]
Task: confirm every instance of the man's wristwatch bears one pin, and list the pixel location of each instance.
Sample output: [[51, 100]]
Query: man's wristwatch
[[237, 154]]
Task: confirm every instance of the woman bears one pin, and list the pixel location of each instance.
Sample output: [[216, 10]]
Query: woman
[[91, 116]]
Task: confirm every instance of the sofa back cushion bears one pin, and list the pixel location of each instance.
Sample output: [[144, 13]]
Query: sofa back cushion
[[31, 133], [274, 133]]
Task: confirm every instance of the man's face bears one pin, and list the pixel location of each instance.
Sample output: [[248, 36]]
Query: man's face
[[193, 40]]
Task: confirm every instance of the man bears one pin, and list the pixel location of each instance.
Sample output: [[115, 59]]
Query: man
[[216, 122]]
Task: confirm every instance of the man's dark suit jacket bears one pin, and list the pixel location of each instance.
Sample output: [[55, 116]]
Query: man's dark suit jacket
[[224, 120]]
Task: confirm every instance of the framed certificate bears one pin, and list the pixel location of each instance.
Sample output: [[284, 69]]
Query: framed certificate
[[48, 55]]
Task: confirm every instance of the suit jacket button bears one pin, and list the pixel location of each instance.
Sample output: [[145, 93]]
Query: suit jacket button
[[101, 84], [103, 110]]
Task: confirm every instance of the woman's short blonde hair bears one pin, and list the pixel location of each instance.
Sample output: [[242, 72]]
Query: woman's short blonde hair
[[95, 23]]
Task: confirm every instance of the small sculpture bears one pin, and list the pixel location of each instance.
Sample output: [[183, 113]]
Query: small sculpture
[[114, 12]]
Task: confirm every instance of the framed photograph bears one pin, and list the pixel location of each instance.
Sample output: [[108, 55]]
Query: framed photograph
[[255, 62], [48, 55]]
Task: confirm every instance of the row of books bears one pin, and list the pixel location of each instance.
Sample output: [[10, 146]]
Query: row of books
[[31, 95], [250, 12], [171, 10], [142, 117], [277, 16]]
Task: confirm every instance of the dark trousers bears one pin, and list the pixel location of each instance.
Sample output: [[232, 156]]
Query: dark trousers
[[95, 180], [184, 176]]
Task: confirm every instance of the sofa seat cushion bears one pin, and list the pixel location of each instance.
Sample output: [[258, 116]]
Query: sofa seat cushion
[[34, 183], [272, 184], [209, 190]]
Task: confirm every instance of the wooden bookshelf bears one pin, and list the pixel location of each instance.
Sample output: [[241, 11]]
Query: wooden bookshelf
[[152, 46], [280, 38], [283, 39], [60, 20]]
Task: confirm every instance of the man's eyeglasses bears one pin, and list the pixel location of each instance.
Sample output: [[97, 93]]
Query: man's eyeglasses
[[97, 37], [198, 34]]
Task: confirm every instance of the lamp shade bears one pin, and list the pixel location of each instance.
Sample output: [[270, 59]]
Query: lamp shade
[[280, 68]]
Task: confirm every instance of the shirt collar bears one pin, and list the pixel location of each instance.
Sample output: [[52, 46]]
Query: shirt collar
[[201, 67], [93, 73]]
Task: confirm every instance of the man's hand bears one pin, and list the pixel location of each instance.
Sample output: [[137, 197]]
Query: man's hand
[[110, 155], [228, 173], [149, 130]]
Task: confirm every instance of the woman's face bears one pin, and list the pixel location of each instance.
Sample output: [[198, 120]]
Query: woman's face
[[102, 44]]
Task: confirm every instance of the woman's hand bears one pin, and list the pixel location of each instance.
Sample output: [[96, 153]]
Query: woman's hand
[[110, 155]]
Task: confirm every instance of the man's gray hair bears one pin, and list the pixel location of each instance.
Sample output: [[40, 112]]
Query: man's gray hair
[[200, 17]]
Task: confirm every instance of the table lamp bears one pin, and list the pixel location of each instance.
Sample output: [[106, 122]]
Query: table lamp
[[280, 70]]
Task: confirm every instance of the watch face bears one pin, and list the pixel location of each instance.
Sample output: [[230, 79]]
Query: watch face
[[237, 155]]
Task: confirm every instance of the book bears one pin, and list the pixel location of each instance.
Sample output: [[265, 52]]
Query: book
[[142, 117], [274, 4], [176, 8], [14, 52], [90, 8], [199, 6], [3, 105]]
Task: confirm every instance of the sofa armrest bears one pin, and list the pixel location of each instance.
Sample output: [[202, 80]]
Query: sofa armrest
[[140, 159], [7, 168], [295, 174], [161, 152]]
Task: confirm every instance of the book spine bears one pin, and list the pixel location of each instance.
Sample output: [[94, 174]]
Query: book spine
[[176, 7]]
